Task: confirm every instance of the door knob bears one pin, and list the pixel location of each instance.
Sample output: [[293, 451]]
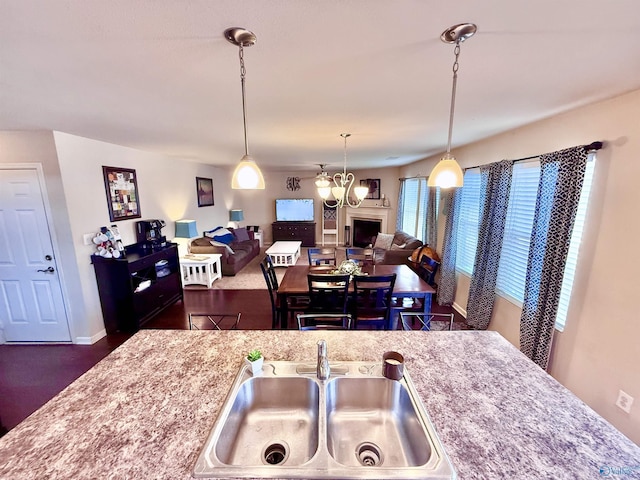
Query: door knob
[[48, 270]]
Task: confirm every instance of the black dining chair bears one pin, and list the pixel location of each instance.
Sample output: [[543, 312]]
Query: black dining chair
[[362, 256], [324, 321], [372, 300], [294, 304], [427, 269], [328, 293], [322, 256]]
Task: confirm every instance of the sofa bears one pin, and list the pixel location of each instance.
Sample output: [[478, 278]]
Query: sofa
[[396, 251], [236, 251]]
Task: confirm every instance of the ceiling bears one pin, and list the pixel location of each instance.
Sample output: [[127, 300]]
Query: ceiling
[[158, 75]]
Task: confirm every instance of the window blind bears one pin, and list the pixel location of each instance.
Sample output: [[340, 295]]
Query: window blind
[[414, 213], [514, 255], [468, 222], [574, 246]]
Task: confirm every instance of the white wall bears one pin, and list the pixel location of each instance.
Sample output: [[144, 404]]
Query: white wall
[[167, 190], [259, 205], [597, 354], [38, 147]]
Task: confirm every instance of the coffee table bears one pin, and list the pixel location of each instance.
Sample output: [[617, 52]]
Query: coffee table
[[284, 254]]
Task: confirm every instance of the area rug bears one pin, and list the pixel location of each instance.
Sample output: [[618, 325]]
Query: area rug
[[250, 277]]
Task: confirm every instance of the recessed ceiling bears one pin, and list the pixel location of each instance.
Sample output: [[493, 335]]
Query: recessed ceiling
[[159, 76]]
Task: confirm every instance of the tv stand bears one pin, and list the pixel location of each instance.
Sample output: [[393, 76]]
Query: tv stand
[[304, 232]]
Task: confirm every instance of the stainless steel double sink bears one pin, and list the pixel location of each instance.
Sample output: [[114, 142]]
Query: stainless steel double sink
[[286, 423]]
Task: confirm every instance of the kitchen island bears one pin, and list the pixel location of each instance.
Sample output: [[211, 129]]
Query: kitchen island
[[146, 410]]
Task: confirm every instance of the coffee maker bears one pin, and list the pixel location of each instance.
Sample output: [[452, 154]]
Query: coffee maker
[[149, 234]]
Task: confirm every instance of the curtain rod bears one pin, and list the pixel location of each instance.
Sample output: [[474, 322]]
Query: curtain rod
[[593, 146], [589, 148]]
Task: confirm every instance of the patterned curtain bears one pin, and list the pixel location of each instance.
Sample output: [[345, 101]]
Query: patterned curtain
[[400, 205], [561, 177], [494, 199], [431, 223], [447, 287]]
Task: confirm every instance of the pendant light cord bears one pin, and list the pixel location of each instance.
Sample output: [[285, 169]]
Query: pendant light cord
[[456, 66], [243, 73]]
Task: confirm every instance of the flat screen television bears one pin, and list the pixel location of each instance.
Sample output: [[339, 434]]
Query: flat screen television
[[294, 210]]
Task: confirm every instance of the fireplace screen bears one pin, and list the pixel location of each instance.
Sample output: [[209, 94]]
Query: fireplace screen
[[364, 231]]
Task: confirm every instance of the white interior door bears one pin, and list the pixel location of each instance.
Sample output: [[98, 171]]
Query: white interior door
[[31, 301]]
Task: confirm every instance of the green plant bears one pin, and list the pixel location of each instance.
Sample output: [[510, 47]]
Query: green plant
[[254, 355]]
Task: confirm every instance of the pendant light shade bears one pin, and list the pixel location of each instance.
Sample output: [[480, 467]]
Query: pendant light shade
[[247, 175], [447, 172]]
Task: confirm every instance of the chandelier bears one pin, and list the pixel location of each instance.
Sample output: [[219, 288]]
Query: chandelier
[[343, 185], [447, 173], [247, 175]]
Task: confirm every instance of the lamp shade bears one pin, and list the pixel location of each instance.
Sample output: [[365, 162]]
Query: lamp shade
[[236, 215], [186, 229], [446, 174], [247, 175]]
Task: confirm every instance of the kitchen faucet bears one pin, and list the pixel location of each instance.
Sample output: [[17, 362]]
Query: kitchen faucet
[[323, 370]]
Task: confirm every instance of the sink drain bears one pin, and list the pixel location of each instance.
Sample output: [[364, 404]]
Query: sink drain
[[369, 454], [275, 453]]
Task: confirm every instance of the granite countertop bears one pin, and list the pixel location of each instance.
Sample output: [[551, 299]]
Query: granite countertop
[[145, 410]]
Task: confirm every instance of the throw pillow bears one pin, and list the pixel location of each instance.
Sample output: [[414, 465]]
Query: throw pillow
[[220, 244], [221, 235], [241, 234], [398, 247], [384, 241]]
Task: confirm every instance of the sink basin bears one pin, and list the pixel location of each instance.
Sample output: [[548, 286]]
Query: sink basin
[[373, 421], [272, 420], [286, 423]]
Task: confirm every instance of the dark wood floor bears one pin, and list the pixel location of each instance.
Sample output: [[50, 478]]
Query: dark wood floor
[[30, 375]]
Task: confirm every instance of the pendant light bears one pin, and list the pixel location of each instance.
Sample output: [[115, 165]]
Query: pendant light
[[343, 184], [447, 173], [247, 175]]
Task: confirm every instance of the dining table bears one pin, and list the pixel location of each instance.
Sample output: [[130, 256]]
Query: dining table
[[408, 285]]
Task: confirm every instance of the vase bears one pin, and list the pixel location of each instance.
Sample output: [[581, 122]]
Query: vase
[[255, 366]]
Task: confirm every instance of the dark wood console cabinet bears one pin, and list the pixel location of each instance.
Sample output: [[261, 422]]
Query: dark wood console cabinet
[[304, 232], [126, 302]]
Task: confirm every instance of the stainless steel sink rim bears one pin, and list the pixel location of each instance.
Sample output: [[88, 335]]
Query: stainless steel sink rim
[[322, 465]]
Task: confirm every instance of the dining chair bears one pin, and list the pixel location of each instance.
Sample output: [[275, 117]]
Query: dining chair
[[328, 293], [324, 321], [427, 269], [426, 321], [294, 303], [322, 256], [361, 256], [372, 300]]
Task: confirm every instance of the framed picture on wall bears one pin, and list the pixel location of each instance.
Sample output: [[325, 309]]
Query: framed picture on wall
[[121, 187], [204, 187], [374, 188]]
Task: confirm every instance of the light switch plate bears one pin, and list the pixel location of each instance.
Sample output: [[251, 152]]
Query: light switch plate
[[88, 238]]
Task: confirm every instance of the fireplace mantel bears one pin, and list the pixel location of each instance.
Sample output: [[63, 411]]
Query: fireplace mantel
[[369, 213]]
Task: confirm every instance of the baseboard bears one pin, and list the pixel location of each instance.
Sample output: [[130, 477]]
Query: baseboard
[[91, 340], [458, 308]]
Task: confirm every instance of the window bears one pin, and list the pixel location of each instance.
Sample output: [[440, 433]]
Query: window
[[517, 232], [514, 256], [468, 222], [414, 213], [574, 246], [517, 236]]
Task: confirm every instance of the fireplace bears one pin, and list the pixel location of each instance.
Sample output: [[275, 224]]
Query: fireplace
[[364, 231], [377, 215]]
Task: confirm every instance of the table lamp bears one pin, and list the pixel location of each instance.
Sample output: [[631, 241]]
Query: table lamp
[[186, 229], [236, 216]]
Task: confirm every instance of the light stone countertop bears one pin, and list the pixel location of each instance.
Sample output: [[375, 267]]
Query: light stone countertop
[[146, 410]]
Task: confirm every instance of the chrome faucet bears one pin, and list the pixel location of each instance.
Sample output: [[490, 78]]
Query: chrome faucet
[[323, 370]]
